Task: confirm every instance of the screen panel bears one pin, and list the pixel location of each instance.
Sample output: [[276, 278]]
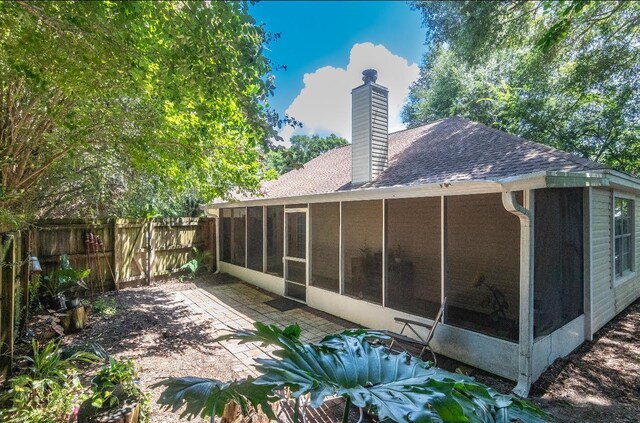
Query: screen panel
[[275, 239], [413, 282], [325, 246], [362, 246], [254, 238], [559, 258], [483, 265]]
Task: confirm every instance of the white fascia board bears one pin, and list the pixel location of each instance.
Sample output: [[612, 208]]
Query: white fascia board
[[427, 190], [536, 180], [623, 181]]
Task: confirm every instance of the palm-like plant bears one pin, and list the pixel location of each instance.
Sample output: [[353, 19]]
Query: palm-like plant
[[396, 387]]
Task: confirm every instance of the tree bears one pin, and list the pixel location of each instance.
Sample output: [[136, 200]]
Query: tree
[[561, 73], [100, 97], [303, 149]]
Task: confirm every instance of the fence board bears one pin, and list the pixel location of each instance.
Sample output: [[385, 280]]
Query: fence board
[[8, 255], [136, 250]]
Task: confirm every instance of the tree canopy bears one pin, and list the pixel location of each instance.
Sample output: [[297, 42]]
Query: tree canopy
[[564, 73], [125, 108], [303, 148]]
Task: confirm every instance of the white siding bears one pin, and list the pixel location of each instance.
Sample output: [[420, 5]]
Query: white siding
[[609, 300], [361, 134]]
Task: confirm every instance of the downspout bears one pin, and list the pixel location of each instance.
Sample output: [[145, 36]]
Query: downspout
[[525, 213]]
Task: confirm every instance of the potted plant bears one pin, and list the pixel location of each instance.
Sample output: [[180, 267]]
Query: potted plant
[[116, 395], [64, 287]]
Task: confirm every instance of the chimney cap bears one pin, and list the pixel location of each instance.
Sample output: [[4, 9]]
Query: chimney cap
[[369, 76]]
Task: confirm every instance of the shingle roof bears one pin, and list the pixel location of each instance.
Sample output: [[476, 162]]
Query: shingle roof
[[450, 150]]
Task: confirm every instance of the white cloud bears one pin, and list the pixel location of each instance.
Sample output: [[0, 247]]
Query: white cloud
[[324, 104]]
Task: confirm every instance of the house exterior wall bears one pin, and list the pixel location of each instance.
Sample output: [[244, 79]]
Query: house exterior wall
[[610, 297]]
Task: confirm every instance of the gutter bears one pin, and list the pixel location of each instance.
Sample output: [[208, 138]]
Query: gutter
[[535, 180]]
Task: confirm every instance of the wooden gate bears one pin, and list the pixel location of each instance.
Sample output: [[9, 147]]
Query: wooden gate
[[131, 246]]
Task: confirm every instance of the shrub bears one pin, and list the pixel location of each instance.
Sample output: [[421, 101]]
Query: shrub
[[105, 306], [48, 388]]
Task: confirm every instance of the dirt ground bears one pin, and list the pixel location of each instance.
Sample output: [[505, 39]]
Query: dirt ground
[[156, 331], [599, 382]]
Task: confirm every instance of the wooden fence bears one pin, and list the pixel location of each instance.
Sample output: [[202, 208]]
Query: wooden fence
[[120, 253], [14, 291]]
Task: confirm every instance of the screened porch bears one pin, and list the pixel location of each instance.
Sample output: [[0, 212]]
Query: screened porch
[[407, 254]]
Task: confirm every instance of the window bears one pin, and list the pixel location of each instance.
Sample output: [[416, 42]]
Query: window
[[254, 238], [623, 236]]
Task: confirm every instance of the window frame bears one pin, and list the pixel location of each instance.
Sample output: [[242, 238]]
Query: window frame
[[627, 274]]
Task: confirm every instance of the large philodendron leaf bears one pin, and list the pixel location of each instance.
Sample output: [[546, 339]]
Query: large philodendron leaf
[[398, 387], [207, 397]]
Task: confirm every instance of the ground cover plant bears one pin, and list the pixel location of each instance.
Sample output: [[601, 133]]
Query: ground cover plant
[[356, 366], [48, 388]]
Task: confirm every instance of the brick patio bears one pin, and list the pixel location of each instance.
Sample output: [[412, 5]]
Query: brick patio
[[232, 304]]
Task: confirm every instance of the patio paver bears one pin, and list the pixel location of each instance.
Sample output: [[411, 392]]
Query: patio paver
[[237, 305]]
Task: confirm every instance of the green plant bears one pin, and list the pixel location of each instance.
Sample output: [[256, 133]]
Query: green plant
[[396, 387], [115, 374], [200, 259], [48, 387], [105, 306], [34, 289], [116, 381], [65, 280]]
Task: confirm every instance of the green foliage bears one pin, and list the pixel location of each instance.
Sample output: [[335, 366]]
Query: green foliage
[[200, 260], [303, 149], [396, 387], [115, 382], [48, 388], [127, 107], [105, 306], [65, 280], [561, 73]]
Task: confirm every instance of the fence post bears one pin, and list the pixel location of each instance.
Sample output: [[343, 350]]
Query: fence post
[[25, 276], [114, 255], [7, 291], [151, 254]]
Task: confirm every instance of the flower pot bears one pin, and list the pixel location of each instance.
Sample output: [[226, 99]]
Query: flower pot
[[127, 411], [73, 303]]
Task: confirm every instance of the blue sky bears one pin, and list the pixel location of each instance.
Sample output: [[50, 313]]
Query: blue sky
[[321, 38]]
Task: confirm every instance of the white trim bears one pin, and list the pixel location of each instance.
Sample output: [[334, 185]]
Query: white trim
[[218, 242], [443, 248], [340, 252], [631, 274], [297, 259], [535, 180], [264, 239], [246, 237], [588, 263], [384, 251], [286, 257]]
